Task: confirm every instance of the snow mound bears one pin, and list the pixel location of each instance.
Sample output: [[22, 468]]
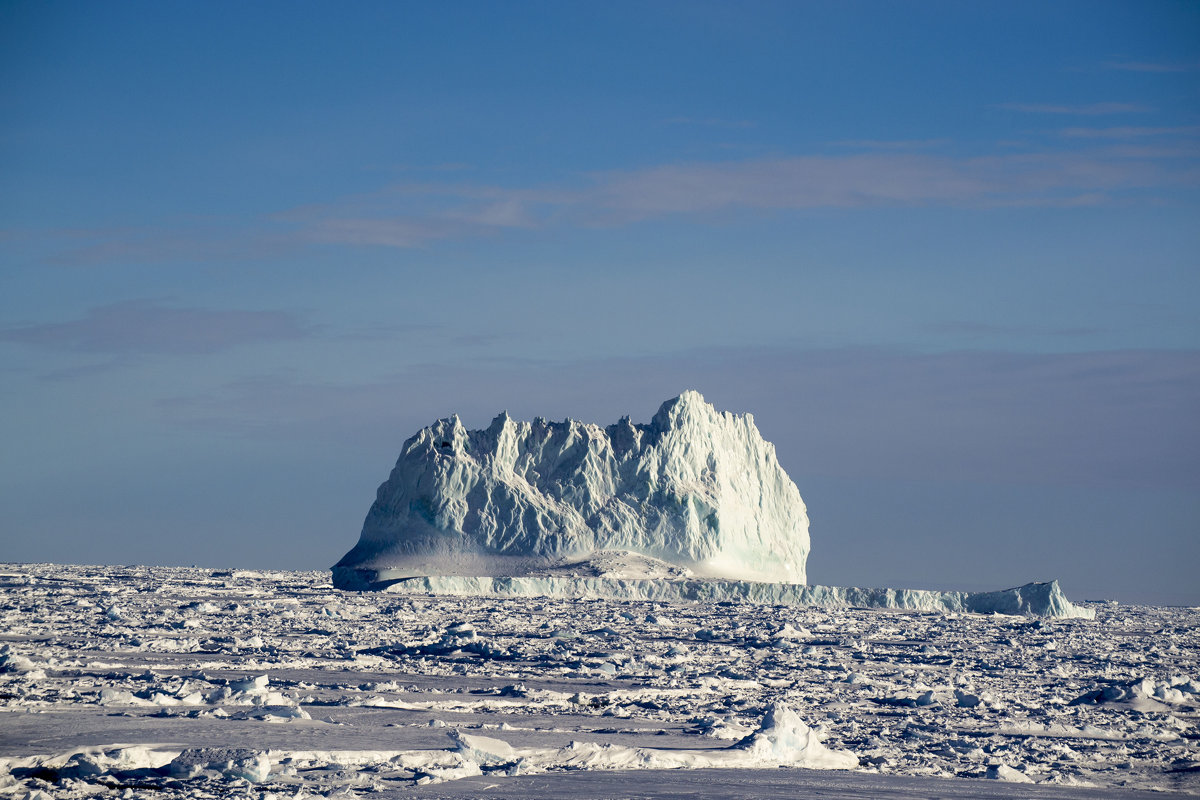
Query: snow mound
[[226, 762], [783, 738], [1003, 772], [483, 749], [1145, 694], [695, 488]]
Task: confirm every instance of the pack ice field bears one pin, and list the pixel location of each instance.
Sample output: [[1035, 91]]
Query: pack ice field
[[174, 682]]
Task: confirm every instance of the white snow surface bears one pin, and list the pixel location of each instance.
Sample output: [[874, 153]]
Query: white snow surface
[[271, 684], [695, 488]]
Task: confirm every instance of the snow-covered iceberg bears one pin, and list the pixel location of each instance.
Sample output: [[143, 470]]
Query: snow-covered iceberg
[[695, 488], [693, 506]]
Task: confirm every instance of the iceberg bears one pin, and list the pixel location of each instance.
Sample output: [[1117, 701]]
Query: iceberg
[[695, 488], [691, 507]]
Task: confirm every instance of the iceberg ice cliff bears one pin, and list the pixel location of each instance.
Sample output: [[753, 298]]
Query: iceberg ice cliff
[[696, 488]]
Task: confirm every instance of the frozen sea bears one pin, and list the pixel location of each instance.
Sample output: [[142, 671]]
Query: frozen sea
[[194, 683]]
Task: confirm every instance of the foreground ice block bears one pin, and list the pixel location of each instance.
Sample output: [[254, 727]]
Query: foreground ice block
[[695, 488]]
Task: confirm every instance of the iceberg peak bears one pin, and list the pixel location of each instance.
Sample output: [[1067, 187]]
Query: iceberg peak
[[689, 405], [499, 423], [688, 399]]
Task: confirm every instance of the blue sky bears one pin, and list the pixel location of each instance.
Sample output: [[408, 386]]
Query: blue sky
[[946, 253]]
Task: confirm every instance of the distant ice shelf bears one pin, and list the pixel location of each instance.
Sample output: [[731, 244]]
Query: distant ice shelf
[[1032, 600]]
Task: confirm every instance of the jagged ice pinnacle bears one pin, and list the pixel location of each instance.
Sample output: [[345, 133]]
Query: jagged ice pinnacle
[[696, 488]]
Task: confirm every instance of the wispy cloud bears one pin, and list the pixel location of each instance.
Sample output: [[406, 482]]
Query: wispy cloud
[[1154, 66], [874, 180], [788, 183], [1090, 166], [414, 214], [141, 327], [1089, 110], [1129, 132], [881, 174]]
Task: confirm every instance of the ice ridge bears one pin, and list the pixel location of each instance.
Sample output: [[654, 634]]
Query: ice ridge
[[695, 487]]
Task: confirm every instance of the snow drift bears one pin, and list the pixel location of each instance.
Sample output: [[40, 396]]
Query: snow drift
[[696, 488]]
